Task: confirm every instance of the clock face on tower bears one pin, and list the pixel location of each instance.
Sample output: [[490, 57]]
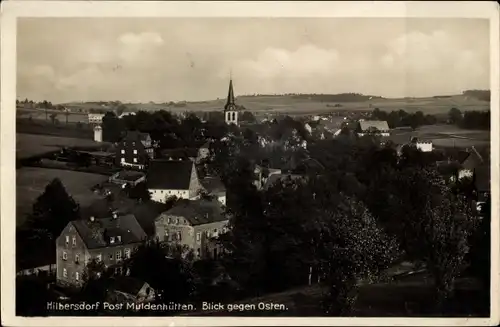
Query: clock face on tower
[[231, 108]]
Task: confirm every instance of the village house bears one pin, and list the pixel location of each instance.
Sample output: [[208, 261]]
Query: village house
[[135, 150], [107, 240], [262, 174], [95, 118], [424, 146], [213, 186], [169, 178], [283, 178], [193, 224], [378, 127], [127, 177], [470, 160]]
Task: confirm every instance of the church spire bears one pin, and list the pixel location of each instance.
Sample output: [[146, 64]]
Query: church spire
[[230, 103]]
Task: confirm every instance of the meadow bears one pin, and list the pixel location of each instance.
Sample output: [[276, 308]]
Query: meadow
[[31, 182], [29, 145]]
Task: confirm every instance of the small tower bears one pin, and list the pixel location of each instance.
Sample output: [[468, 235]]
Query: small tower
[[98, 133], [230, 111]]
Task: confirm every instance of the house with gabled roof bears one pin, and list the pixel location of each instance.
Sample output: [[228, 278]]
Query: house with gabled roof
[[193, 224], [469, 162], [379, 127], [135, 150], [109, 240], [168, 178]]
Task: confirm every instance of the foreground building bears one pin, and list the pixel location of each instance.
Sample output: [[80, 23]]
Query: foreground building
[[194, 224], [108, 240]]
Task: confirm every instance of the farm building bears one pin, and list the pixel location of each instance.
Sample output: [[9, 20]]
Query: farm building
[[127, 177], [168, 178], [373, 126]]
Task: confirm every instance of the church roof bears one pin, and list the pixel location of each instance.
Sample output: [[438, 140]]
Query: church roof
[[230, 103]]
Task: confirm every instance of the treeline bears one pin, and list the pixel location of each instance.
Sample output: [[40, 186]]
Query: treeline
[[402, 118], [470, 119], [30, 104], [484, 95]]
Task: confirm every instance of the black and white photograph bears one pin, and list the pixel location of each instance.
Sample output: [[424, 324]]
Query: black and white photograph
[[268, 163]]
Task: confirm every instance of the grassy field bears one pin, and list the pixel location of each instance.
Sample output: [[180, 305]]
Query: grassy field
[[31, 182], [28, 145], [292, 105], [39, 114], [444, 136]]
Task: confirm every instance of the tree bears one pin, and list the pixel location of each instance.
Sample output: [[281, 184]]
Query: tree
[[139, 192], [53, 117], [171, 277], [455, 116], [435, 224], [52, 211]]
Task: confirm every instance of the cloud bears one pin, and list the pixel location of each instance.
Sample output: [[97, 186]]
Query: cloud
[[281, 69]]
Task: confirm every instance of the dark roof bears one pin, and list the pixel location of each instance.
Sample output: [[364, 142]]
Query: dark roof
[[198, 212], [213, 185], [482, 179], [205, 145], [280, 177], [169, 174], [180, 153], [146, 213], [127, 285], [129, 175], [473, 160], [94, 233]]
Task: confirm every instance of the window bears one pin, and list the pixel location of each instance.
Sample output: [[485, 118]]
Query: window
[[127, 253], [166, 236], [198, 252], [133, 143], [99, 257], [198, 237], [216, 232], [118, 238], [118, 255], [67, 240], [208, 234], [65, 256], [74, 241], [135, 151], [112, 239], [127, 272], [77, 258], [65, 273], [135, 159], [168, 221], [77, 276], [111, 256], [176, 221], [122, 160], [179, 236], [122, 151]]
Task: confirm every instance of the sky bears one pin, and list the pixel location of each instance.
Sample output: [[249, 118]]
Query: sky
[[191, 59]]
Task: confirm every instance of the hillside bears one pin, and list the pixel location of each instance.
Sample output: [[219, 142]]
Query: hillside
[[310, 104]]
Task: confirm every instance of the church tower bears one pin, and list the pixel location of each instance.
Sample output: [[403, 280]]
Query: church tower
[[230, 111]]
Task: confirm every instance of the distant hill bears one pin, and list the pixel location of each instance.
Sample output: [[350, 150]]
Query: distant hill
[[314, 103]]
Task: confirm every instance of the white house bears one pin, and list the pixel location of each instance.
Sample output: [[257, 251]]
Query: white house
[[95, 118], [168, 178]]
